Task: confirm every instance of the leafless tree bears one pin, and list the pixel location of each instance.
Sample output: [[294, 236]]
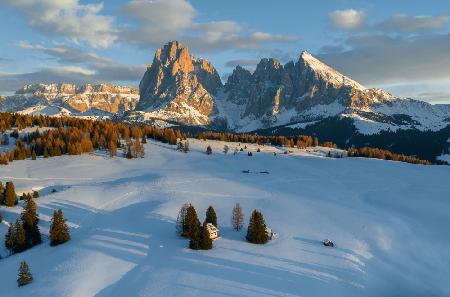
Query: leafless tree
[[237, 218]]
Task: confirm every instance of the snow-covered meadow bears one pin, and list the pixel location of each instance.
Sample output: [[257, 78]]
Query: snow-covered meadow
[[389, 221]]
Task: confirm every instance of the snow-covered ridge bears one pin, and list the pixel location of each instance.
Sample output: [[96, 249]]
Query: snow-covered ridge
[[328, 73], [70, 99]]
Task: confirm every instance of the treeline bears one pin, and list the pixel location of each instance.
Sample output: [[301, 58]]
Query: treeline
[[369, 152], [303, 141], [74, 136], [300, 141]]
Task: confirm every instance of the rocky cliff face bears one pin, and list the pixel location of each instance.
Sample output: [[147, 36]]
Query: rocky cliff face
[[179, 87], [79, 99], [296, 86]]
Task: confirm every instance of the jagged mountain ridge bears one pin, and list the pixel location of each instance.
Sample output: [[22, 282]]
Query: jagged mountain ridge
[[70, 99], [180, 88]]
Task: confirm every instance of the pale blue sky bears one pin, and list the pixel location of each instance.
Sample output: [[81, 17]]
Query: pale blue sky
[[400, 45]]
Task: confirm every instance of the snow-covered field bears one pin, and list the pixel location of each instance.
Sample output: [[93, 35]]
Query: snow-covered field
[[389, 221]]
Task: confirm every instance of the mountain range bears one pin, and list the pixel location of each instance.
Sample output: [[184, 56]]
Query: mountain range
[[302, 96]]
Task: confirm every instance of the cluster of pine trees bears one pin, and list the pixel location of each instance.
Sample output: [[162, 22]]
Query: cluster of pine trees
[[25, 233], [74, 136], [257, 231], [300, 141], [369, 152], [188, 226]]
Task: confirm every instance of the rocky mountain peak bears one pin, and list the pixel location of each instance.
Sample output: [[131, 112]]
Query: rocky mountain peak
[[174, 57], [268, 69], [177, 84], [322, 71]]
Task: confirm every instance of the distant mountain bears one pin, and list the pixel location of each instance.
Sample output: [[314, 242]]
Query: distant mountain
[[303, 96], [97, 101]]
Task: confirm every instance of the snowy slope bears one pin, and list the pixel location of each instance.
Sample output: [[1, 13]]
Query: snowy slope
[[388, 219]]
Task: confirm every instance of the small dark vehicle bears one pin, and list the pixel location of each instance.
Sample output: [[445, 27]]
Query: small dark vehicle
[[328, 242]]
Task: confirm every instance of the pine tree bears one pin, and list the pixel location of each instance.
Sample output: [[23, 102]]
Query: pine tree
[[209, 150], [256, 232], [45, 152], [10, 239], [205, 239], [181, 219], [30, 221], [194, 243], [25, 277], [211, 216], [191, 223], [237, 218], [59, 232], [21, 239], [10, 198], [35, 194], [33, 155]]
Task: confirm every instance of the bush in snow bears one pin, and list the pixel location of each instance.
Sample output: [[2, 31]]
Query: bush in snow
[[9, 195], [209, 150], [25, 277]]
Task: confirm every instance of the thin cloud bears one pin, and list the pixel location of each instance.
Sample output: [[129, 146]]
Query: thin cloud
[[409, 24], [349, 19], [380, 59], [251, 63]]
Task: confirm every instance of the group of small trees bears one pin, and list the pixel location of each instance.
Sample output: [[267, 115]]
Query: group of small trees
[[183, 146], [257, 231], [188, 226], [300, 141], [369, 152], [77, 136], [25, 233]]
